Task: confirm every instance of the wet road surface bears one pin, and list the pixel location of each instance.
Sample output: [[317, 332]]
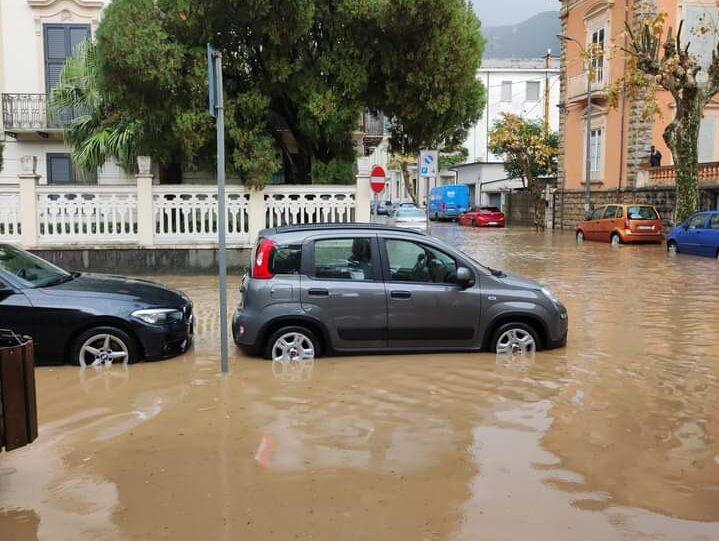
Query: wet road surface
[[613, 437]]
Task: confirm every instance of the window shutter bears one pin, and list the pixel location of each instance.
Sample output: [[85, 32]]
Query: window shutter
[[60, 42], [59, 169]]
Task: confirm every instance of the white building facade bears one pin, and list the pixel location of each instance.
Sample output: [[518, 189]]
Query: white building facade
[[36, 36], [525, 87]]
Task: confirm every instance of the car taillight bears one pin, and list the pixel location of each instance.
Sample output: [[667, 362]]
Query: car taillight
[[261, 270], [627, 225], [444, 206]]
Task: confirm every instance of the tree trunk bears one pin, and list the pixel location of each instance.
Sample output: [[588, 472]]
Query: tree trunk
[[682, 138], [298, 168], [411, 190], [537, 196]]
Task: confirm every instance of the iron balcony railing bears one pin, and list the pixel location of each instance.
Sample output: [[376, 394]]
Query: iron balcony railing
[[30, 112], [373, 125]]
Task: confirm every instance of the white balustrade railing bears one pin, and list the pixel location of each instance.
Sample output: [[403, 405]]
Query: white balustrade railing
[[10, 213], [75, 214], [188, 214], [309, 204], [166, 216]]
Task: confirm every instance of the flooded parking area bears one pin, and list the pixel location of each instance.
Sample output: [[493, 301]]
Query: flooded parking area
[[615, 437]]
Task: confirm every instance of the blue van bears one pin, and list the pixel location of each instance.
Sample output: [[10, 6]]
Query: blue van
[[448, 201]]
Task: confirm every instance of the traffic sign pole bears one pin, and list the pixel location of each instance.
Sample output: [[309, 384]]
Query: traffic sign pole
[[217, 100]]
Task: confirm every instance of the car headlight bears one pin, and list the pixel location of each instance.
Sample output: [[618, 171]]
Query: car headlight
[[158, 316]]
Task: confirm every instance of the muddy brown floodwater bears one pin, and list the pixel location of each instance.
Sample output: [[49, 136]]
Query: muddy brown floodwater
[[613, 437]]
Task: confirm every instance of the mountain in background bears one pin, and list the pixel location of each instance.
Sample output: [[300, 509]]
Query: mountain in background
[[529, 39]]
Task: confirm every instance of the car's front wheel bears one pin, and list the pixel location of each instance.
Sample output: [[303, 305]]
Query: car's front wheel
[[104, 346], [515, 338], [672, 247], [292, 344], [580, 236]]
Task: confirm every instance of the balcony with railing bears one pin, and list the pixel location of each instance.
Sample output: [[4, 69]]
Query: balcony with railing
[[30, 113], [666, 176], [374, 129]]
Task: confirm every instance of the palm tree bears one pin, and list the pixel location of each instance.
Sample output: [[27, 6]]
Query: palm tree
[[97, 131]]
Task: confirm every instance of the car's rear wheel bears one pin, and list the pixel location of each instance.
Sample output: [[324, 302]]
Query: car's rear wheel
[[292, 344], [615, 239], [515, 338], [580, 236], [104, 346], [672, 247]]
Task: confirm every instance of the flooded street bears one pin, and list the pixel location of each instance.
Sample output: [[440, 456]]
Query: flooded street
[[615, 437]]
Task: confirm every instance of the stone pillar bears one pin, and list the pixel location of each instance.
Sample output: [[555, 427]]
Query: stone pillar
[[27, 179], [145, 212], [363, 197], [256, 213], [561, 173], [639, 131]]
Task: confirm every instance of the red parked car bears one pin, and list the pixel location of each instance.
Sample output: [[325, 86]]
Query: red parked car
[[483, 217]]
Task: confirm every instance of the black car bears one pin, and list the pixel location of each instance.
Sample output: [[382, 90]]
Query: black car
[[90, 319]]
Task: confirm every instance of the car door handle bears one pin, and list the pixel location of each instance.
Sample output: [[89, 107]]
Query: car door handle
[[400, 294], [315, 292]]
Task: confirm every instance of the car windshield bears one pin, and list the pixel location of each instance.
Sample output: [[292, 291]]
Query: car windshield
[[410, 213], [641, 213], [27, 270]]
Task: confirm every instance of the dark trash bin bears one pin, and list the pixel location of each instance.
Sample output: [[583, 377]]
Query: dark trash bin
[[18, 408]]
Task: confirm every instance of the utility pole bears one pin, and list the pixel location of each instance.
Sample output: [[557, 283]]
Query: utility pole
[[547, 64]]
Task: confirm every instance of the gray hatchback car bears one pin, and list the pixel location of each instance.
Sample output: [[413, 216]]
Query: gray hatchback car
[[351, 288]]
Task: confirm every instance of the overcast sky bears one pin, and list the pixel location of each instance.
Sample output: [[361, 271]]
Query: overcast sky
[[499, 12]]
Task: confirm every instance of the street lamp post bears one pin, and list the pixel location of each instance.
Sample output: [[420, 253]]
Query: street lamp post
[[588, 162]]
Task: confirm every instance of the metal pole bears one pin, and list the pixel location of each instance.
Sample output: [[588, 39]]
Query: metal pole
[[426, 204], [588, 172], [221, 215]]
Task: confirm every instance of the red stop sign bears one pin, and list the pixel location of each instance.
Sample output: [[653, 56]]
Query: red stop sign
[[377, 179]]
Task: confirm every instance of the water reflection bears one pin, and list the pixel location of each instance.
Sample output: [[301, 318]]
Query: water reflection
[[105, 377], [517, 359], [293, 370]]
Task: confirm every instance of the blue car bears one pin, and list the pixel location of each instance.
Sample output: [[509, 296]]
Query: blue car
[[699, 235], [448, 202]]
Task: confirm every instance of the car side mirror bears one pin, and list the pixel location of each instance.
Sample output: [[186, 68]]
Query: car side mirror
[[465, 277]]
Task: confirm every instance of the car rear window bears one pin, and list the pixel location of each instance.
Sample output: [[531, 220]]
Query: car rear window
[[641, 213], [286, 259], [490, 209]]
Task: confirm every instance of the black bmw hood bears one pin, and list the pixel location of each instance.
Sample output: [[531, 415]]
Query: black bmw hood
[[102, 286]]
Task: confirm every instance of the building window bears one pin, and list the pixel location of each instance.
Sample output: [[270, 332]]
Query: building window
[[595, 149], [61, 170], [707, 140], [506, 91], [61, 40], [598, 55], [533, 90]]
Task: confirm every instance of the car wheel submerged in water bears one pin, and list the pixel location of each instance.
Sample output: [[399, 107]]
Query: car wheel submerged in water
[[292, 344], [615, 239], [515, 338], [104, 346], [580, 236]]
